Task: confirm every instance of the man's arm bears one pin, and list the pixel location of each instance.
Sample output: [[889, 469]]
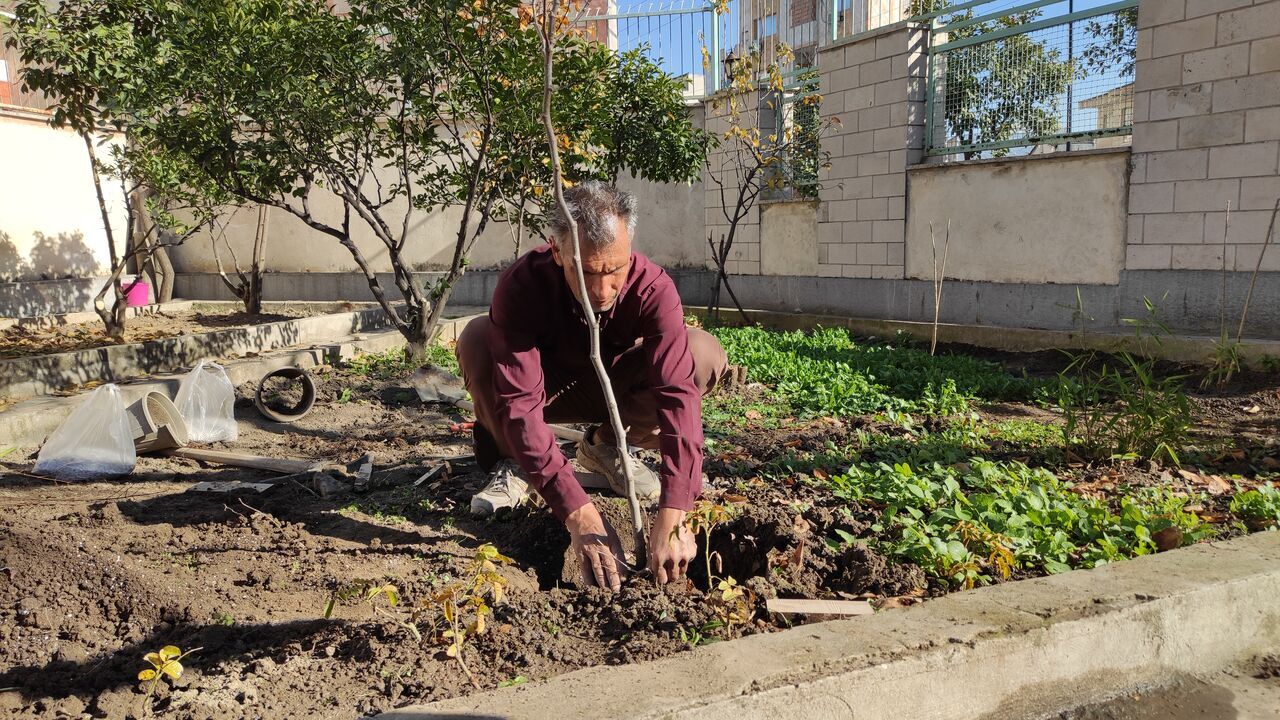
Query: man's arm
[[666, 343]]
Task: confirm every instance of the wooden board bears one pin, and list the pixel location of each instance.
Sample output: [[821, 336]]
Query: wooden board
[[819, 607], [284, 466]]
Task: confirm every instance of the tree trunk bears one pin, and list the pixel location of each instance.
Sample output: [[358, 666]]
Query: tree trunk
[[253, 297], [164, 275]]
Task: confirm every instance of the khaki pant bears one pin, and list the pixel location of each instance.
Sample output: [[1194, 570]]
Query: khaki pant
[[575, 397]]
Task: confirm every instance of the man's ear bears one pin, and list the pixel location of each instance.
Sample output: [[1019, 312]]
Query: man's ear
[[555, 251]]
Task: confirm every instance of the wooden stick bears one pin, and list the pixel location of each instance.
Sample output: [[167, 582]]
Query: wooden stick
[[284, 466], [819, 607]]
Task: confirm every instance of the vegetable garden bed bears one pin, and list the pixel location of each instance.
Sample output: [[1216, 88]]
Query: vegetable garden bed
[[841, 469]]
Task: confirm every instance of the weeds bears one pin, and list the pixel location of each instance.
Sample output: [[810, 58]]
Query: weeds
[[827, 372], [463, 606], [1259, 508], [395, 363], [695, 636]]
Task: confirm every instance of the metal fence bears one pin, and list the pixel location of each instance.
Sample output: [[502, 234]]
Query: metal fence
[[1031, 77]]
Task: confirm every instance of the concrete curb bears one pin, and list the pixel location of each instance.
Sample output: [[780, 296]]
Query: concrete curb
[[40, 375], [1178, 348], [995, 652], [29, 423]]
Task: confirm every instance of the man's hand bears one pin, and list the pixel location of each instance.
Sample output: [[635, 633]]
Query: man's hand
[[671, 546], [598, 548]]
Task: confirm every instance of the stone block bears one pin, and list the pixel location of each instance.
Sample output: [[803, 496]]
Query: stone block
[[895, 253], [892, 44], [859, 143], [873, 254], [875, 72], [1246, 259], [856, 233], [1215, 64], [859, 98], [896, 207], [1178, 165], [873, 209], [1254, 91], [888, 272], [899, 159], [1264, 55], [842, 254], [856, 271], [863, 51], [830, 271], [1251, 23], [846, 78], [1262, 124], [876, 118], [891, 91], [1142, 106], [828, 232], [1196, 8], [1185, 36], [1138, 167], [1180, 101], [1197, 257], [1158, 73], [1159, 12], [1246, 160], [1155, 136], [857, 188], [844, 167], [1206, 195], [842, 211], [886, 185], [1211, 130], [1148, 257], [1173, 229], [873, 163], [1151, 198], [1250, 228], [1259, 193], [1133, 230], [1143, 50], [889, 231], [892, 138]]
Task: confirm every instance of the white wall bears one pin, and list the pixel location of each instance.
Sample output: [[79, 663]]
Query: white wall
[[46, 187], [1045, 219], [670, 229]]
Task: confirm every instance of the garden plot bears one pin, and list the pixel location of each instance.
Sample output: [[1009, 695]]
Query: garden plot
[[841, 469]]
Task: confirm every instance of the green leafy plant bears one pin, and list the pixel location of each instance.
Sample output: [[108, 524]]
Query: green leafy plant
[[513, 682], [700, 635], [732, 603], [1260, 507]]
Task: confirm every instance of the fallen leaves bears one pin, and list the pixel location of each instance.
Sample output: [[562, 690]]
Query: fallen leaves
[[1212, 484]]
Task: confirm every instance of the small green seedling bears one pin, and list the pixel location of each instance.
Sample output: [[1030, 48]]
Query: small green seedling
[[167, 663], [517, 680]]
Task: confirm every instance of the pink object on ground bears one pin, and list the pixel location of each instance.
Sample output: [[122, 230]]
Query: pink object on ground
[[139, 295]]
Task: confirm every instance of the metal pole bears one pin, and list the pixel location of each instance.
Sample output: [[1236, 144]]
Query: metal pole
[[1071, 84], [835, 20], [713, 67]]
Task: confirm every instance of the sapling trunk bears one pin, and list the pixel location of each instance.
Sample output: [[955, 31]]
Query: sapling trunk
[[939, 273], [548, 30]]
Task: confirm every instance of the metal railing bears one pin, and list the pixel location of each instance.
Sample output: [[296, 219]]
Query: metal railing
[[1020, 78]]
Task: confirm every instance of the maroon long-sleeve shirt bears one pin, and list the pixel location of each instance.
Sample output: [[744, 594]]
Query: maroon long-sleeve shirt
[[535, 320]]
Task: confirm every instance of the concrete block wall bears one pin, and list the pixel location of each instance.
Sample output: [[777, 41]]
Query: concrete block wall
[[875, 85], [1206, 133]]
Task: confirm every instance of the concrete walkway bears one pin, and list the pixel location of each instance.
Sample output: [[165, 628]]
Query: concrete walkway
[[1011, 650]]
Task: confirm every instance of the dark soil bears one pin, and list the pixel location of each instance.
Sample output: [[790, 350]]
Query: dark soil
[[96, 575]]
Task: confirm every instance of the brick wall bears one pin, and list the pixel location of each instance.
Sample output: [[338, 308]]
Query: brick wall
[[876, 86], [1206, 132]]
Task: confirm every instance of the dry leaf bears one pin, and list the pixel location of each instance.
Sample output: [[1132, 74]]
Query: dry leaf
[[820, 474], [1168, 538], [754, 415], [1271, 463], [731, 497], [1217, 485], [1251, 409]]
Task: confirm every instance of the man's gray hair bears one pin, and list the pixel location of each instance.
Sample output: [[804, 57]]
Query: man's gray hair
[[595, 207]]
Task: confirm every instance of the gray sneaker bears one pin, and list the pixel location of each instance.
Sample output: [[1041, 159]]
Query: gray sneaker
[[603, 458], [507, 488]]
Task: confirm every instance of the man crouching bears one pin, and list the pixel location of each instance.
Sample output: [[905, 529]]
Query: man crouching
[[528, 364]]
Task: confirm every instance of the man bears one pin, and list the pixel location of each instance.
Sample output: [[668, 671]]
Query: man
[[528, 364]]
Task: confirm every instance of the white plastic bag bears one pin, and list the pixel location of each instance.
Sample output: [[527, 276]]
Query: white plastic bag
[[206, 401], [95, 441]]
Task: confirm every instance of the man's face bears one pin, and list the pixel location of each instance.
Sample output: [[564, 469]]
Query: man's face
[[604, 269]]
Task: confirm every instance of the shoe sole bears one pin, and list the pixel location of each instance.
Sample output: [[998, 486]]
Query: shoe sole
[[590, 464]]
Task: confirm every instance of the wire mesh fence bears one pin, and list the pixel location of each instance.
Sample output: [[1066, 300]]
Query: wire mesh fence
[[1035, 78]]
